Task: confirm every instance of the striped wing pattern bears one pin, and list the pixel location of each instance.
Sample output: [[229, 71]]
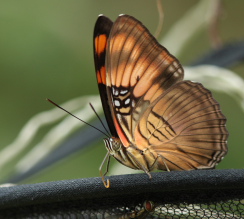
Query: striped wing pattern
[[185, 127]]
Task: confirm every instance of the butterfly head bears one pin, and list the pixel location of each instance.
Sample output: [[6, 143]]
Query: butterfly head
[[113, 145]]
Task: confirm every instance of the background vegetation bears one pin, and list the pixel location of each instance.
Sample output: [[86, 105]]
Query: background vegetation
[[46, 51]]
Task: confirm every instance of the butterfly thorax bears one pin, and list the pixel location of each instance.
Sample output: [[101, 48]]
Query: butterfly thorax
[[118, 151], [130, 156], [113, 145]]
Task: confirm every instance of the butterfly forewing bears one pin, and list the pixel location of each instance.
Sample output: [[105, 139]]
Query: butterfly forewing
[[139, 70], [101, 34]]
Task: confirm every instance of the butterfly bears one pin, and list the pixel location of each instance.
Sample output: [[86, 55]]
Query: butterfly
[[157, 120]]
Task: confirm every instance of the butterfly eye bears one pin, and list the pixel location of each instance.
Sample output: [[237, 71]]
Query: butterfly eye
[[115, 144]]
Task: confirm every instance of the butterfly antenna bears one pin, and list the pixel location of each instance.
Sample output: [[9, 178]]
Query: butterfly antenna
[[99, 118], [76, 117]]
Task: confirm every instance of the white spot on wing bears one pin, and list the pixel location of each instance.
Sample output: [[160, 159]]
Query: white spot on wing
[[127, 101], [116, 103], [116, 92], [123, 92]]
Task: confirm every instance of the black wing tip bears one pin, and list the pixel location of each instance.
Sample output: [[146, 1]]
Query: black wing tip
[[102, 17], [103, 25]]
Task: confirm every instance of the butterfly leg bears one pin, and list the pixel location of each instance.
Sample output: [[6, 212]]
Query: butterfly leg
[[165, 163], [138, 160], [156, 161], [149, 174], [105, 182]]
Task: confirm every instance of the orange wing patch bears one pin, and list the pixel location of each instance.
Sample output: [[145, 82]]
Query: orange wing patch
[[100, 44], [121, 134], [100, 48], [101, 75]]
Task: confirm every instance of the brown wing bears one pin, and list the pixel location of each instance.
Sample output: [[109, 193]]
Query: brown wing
[[139, 70], [185, 128]]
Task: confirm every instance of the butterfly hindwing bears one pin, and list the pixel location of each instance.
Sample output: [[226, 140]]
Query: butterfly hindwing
[[185, 127]]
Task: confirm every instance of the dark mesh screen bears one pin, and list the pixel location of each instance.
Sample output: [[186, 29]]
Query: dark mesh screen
[[183, 194]]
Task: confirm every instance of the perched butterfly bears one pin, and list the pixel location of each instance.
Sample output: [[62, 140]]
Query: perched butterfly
[[157, 120]]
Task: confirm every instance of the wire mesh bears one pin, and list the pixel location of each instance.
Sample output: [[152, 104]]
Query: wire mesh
[[183, 194]]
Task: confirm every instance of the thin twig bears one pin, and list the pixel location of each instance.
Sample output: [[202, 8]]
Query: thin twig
[[161, 18]]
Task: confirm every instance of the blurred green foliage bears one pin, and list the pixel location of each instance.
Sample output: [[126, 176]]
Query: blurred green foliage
[[46, 51]]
